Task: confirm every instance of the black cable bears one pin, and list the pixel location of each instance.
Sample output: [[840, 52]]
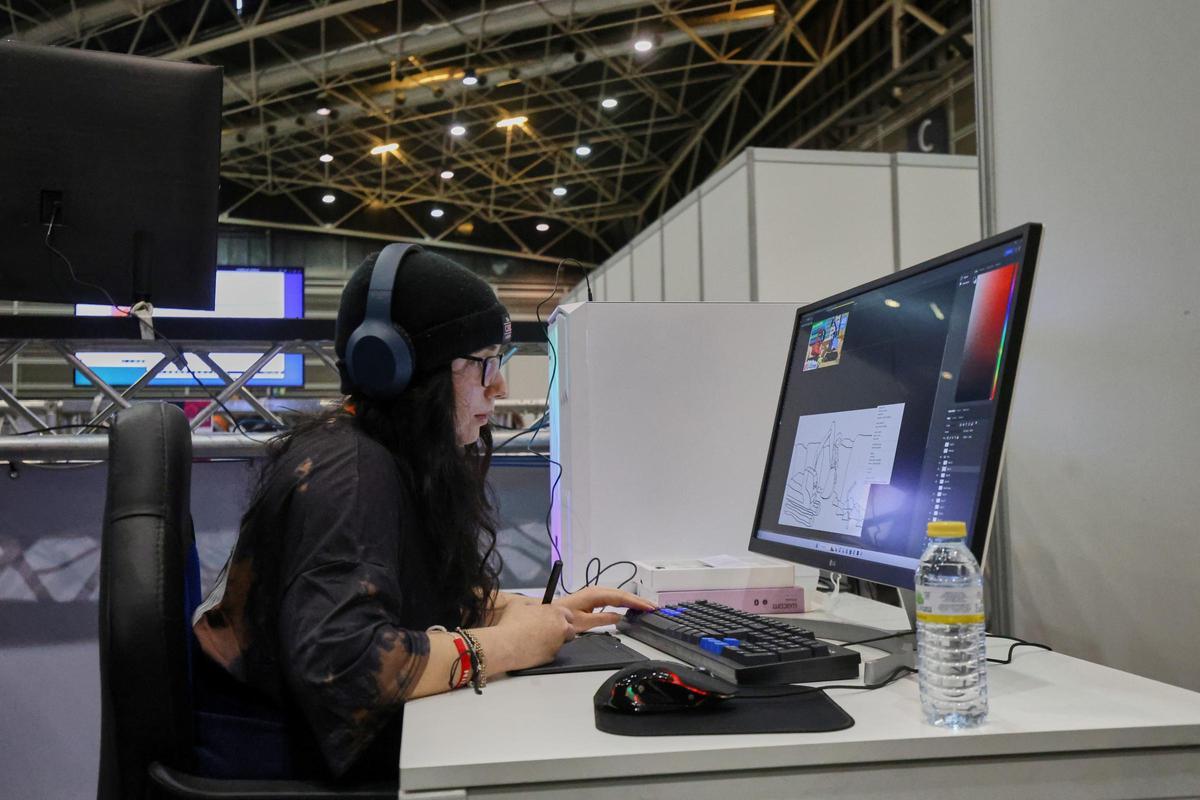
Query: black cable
[[588, 580], [885, 637], [891, 678], [545, 419], [541, 423], [1016, 643], [179, 357], [59, 428], [71, 269]]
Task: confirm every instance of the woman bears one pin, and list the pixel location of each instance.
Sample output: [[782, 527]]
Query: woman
[[365, 572]]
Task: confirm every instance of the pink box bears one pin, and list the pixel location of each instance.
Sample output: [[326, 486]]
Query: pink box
[[771, 600]]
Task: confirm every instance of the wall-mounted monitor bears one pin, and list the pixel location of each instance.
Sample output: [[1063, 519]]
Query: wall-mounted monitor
[[109, 184]]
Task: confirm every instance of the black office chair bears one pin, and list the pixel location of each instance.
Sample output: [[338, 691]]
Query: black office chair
[[147, 724]]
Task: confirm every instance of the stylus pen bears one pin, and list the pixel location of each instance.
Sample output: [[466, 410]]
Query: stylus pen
[[555, 571]]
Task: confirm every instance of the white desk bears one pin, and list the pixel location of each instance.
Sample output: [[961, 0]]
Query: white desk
[[1058, 728]]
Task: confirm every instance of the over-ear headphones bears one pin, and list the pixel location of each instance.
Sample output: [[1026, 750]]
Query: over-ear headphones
[[379, 354]]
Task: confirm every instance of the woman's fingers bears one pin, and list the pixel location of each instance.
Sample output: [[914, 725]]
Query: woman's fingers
[[586, 620]]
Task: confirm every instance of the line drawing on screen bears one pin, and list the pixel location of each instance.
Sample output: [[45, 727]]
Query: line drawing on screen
[[835, 459]]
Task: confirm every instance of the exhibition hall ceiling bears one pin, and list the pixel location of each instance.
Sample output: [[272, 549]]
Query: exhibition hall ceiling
[[541, 129]]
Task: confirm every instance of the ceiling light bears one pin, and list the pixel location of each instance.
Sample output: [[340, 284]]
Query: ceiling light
[[583, 150], [559, 191], [447, 174], [643, 45], [890, 303], [542, 227], [457, 130], [380, 149], [328, 199], [324, 111], [509, 122], [609, 102], [469, 77], [326, 158], [436, 213]]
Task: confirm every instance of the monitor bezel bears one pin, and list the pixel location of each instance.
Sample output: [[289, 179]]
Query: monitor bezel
[[1030, 236]]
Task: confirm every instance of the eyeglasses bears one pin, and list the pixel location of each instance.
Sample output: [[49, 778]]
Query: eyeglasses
[[491, 365]]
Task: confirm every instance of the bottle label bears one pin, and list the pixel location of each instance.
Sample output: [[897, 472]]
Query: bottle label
[[948, 605]]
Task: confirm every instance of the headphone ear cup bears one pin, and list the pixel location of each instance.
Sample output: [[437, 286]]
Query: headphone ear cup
[[379, 358]]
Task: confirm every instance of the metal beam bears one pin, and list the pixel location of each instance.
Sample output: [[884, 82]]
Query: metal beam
[[269, 28], [450, 84], [422, 40], [81, 19], [387, 237]]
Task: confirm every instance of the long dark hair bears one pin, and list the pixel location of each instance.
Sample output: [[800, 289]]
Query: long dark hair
[[446, 482]]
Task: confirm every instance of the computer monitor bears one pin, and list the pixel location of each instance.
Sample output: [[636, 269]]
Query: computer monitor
[[116, 158], [892, 412], [241, 293]]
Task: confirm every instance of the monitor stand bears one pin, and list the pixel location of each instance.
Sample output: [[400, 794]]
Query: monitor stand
[[901, 649]]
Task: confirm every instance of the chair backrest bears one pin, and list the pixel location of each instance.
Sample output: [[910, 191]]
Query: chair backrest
[[146, 711]]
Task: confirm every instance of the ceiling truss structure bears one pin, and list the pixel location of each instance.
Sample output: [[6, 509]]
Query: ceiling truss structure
[[719, 75]]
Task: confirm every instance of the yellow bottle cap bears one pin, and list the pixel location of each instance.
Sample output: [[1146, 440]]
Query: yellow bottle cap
[[946, 530]]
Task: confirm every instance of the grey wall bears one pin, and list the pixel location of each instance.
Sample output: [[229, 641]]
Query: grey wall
[[1091, 128]]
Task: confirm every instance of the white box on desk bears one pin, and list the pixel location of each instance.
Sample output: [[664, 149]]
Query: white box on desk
[[751, 571], [725, 579], [661, 414]]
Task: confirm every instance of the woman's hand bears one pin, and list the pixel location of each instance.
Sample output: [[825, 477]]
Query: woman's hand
[[531, 634], [584, 604], [502, 601]]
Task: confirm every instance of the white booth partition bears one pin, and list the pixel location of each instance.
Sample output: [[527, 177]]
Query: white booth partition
[[648, 264], [618, 278], [823, 221], [726, 219], [681, 254], [798, 225], [929, 215], [661, 414], [1102, 512]]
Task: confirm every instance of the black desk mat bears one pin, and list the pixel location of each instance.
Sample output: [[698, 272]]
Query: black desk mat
[[755, 709]]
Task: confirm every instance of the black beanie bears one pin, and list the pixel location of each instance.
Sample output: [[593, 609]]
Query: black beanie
[[446, 310]]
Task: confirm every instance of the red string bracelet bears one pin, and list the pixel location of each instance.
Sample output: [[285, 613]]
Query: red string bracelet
[[464, 662]]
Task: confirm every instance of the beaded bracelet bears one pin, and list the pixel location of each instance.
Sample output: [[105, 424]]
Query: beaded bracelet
[[478, 661]]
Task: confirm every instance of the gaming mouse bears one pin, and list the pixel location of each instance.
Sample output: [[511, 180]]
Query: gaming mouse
[[649, 687]]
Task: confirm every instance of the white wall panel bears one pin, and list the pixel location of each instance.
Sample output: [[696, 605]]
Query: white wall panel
[[821, 228], [647, 266], [681, 255], [725, 235], [598, 283], [527, 377], [618, 283], [938, 206], [1103, 512]]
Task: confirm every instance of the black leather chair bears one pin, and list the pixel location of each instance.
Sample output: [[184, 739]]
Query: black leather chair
[[147, 552]]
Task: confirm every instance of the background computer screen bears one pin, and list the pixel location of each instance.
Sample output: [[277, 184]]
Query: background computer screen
[[892, 413], [241, 293]]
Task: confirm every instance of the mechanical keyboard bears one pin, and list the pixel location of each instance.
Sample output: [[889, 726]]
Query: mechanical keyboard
[[738, 646]]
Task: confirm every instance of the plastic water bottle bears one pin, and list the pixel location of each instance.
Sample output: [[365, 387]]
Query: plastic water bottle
[[951, 642]]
